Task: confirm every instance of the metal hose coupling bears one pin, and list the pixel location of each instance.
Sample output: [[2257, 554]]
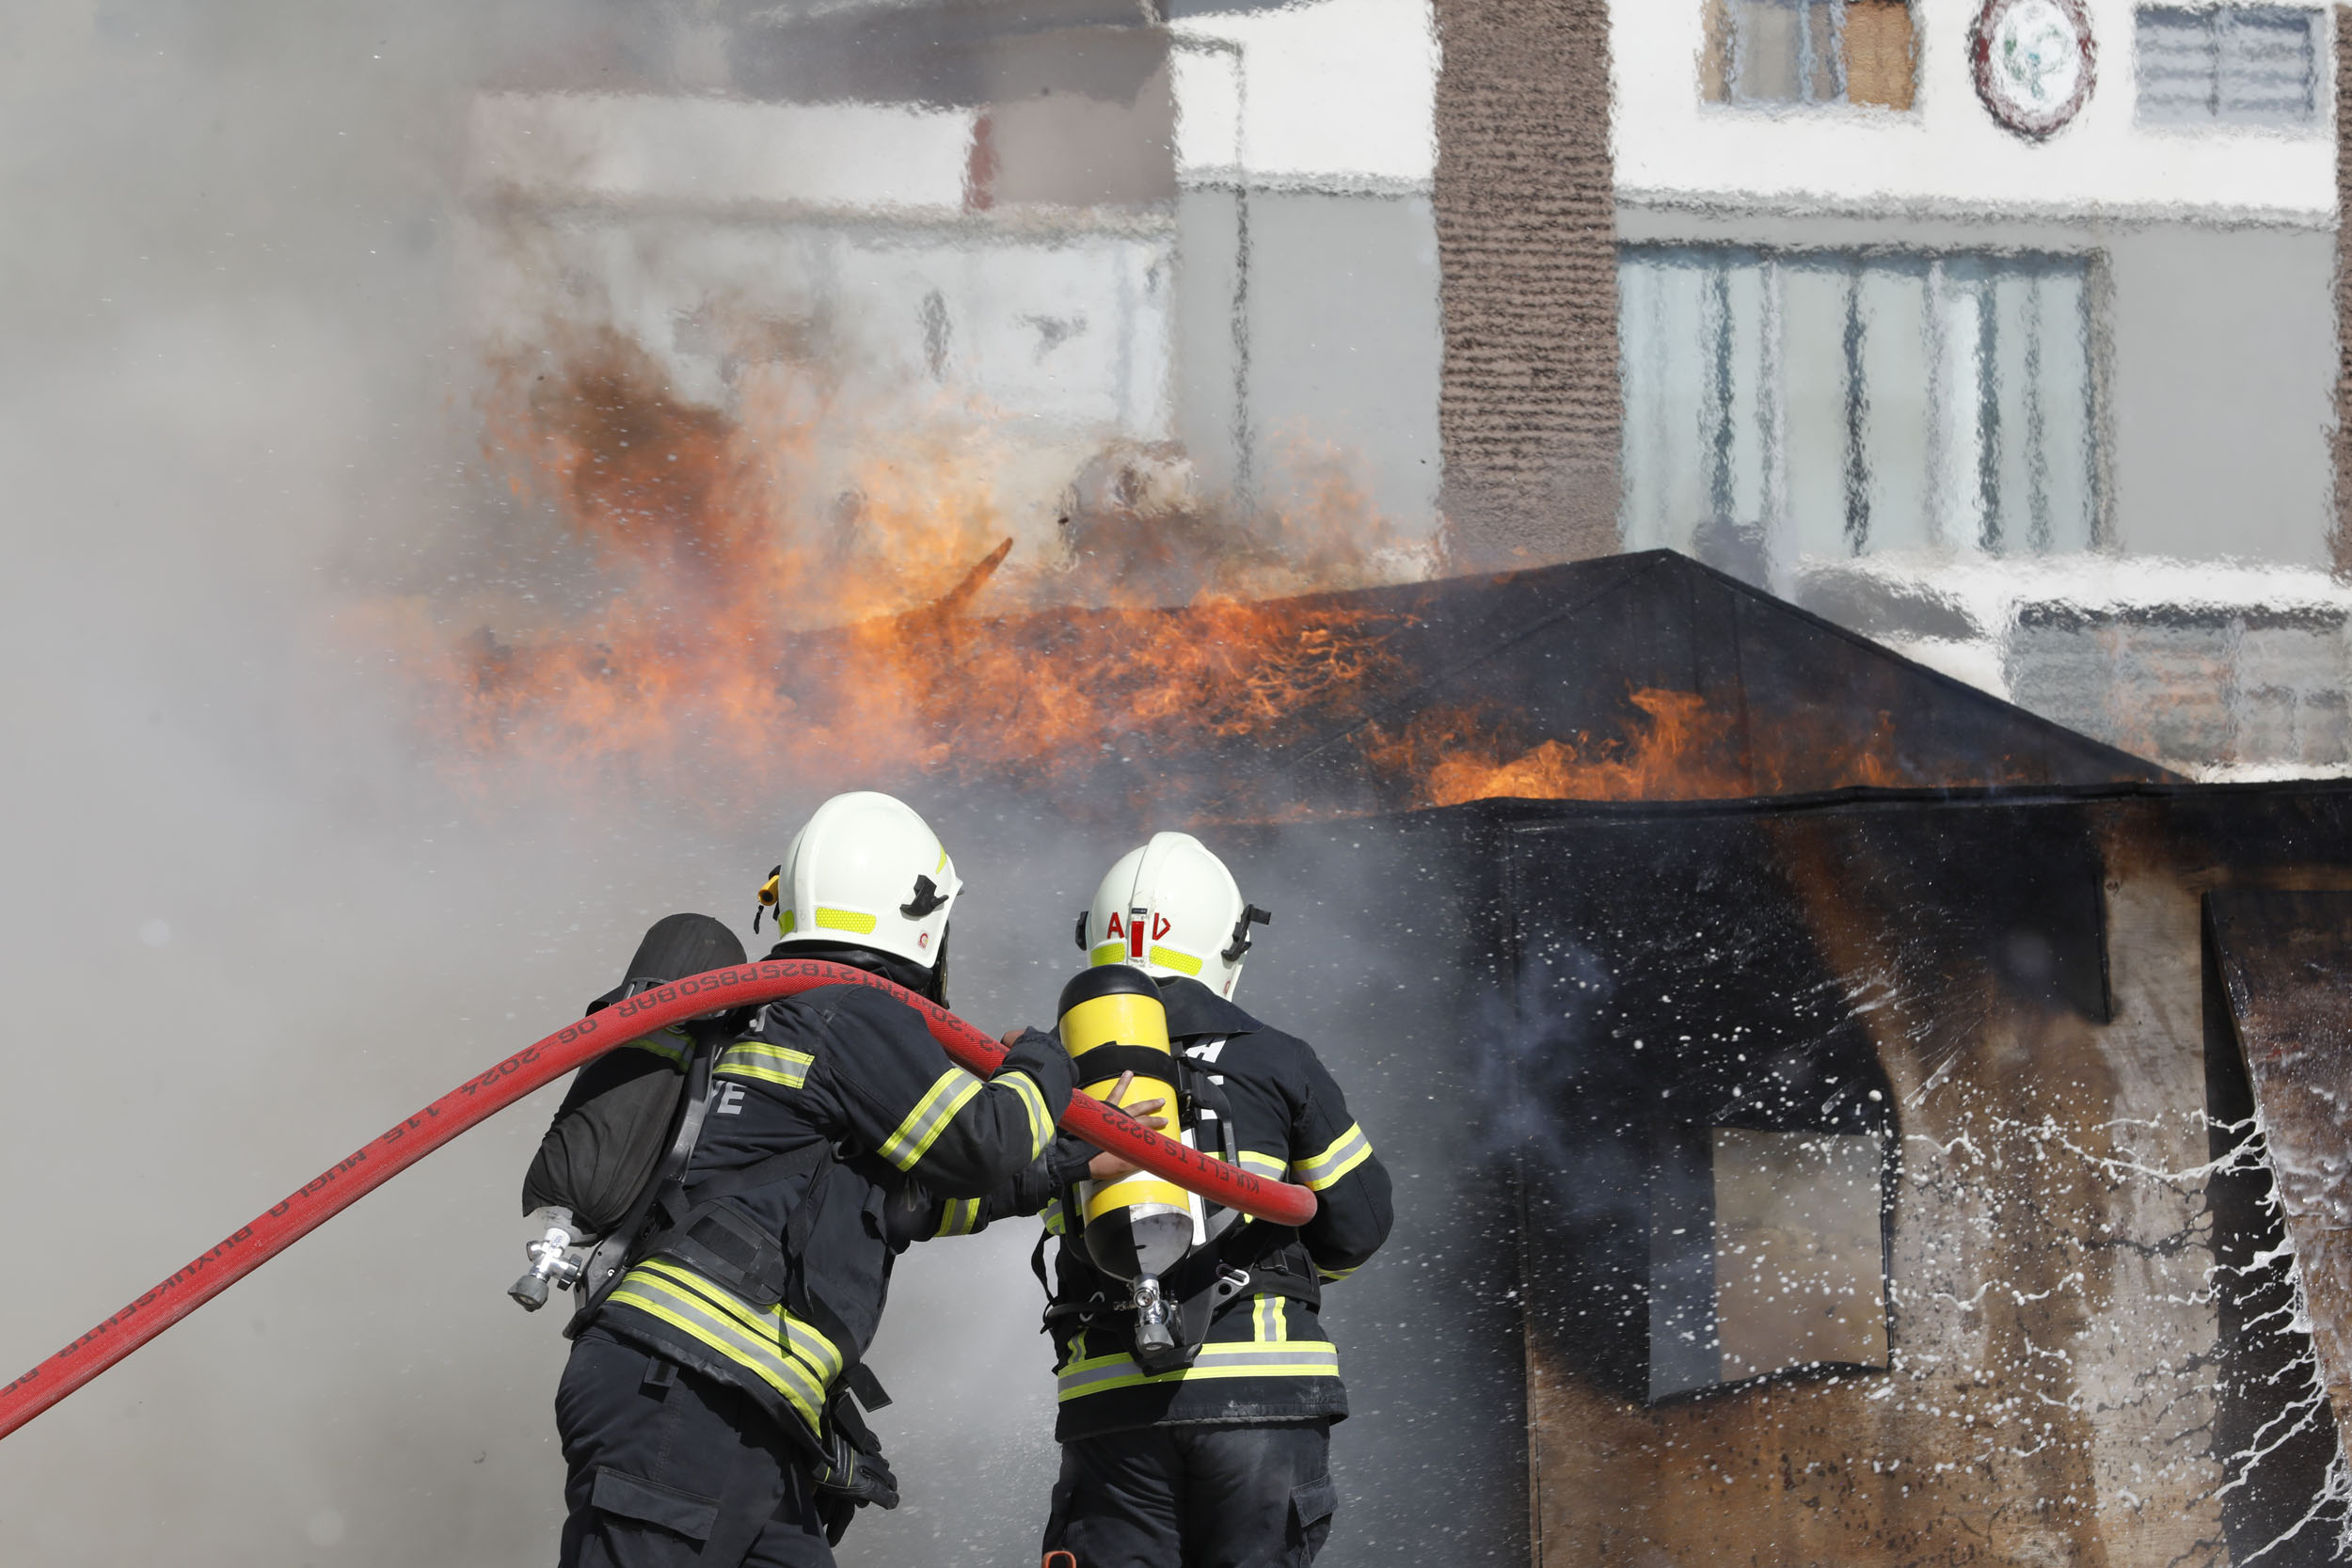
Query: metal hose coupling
[[557, 1259]]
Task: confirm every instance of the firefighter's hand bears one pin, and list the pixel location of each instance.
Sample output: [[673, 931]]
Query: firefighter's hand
[[1107, 1166], [850, 1473]]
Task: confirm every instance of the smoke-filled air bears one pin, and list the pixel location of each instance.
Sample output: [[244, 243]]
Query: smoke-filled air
[[1754, 594]]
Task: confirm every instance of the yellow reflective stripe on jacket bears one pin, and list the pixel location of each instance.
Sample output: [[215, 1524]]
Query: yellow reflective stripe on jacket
[[1349, 1150], [1098, 1374], [769, 1063], [912, 1138], [1264, 1164], [962, 1214], [782, 1351], [819, 1353], [1054, 1226], [1333, 1275], [670, 1045], [1032, 1100], [1269, 1353]]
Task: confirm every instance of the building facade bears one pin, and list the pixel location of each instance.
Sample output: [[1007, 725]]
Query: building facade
[[2003, 331], [2001, 390]]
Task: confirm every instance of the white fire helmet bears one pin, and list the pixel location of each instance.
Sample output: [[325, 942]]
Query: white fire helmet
[[866, 871], [1172, 908]]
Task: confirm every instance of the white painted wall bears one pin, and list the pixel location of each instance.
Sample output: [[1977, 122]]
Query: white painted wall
[[1345, 88], [1949, 151]]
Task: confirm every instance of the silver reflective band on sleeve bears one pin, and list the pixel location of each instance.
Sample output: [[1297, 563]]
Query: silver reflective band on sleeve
[[1033, 1100], [912, 1138], [768, 1063], [1098, 1374], [1264, 1164], [1054, 1226], [1349, 1150], [961, 1215]]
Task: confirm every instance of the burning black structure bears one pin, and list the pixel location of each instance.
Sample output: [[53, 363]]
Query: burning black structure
[[1824, 1175]]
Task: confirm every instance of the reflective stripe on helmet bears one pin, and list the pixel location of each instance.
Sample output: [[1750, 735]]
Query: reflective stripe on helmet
[[866, 865], [1170, 908]]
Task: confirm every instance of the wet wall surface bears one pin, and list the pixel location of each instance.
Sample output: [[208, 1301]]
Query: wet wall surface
[[2280, 1055], [2020, 982]]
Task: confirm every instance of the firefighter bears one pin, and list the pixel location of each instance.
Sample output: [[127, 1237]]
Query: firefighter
[[705, 1413], [1223, 1461]]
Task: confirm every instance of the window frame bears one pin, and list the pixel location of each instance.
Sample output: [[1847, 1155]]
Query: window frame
[[1720, 55], [1936, 263], [2319, 25]]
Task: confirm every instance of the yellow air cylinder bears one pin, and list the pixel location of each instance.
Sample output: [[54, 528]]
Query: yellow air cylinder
[[1112, 1023]]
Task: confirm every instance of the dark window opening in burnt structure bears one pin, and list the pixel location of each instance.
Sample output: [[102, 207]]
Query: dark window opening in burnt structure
[[1710, 1140], [1712, 1135]]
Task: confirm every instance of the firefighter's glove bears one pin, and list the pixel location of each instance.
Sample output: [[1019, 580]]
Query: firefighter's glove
[[1039, 1054], [1065, 1160], [855, 1476]]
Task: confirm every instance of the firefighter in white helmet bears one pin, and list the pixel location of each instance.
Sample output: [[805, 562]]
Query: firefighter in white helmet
[[705, 1413], [1223, 1458]]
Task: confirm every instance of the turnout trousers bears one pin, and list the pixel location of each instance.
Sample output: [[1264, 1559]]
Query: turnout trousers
[[669, 1468], [1194, 1496]]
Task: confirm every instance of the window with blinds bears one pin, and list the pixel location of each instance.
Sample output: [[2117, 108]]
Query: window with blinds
[[2228, 65], [1769, 52], [1838, 403]]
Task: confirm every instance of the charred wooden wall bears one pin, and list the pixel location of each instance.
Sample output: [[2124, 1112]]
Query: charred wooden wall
[[2018, 976], [2029, 979]]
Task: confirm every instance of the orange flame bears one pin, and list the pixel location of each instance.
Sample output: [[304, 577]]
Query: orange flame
[[799, 617], [786, 599], [1681, 754]]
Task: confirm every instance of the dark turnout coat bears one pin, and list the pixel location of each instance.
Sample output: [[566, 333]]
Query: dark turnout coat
[[834, 1103], [1266, 1357]]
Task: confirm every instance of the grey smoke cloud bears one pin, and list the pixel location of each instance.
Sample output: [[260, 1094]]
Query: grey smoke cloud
[[257, 916]]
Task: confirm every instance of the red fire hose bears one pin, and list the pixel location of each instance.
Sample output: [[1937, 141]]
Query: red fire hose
[[476, 1101]]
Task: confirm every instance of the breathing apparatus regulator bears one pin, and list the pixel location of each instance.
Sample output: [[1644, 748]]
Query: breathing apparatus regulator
[[1167, 909]]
